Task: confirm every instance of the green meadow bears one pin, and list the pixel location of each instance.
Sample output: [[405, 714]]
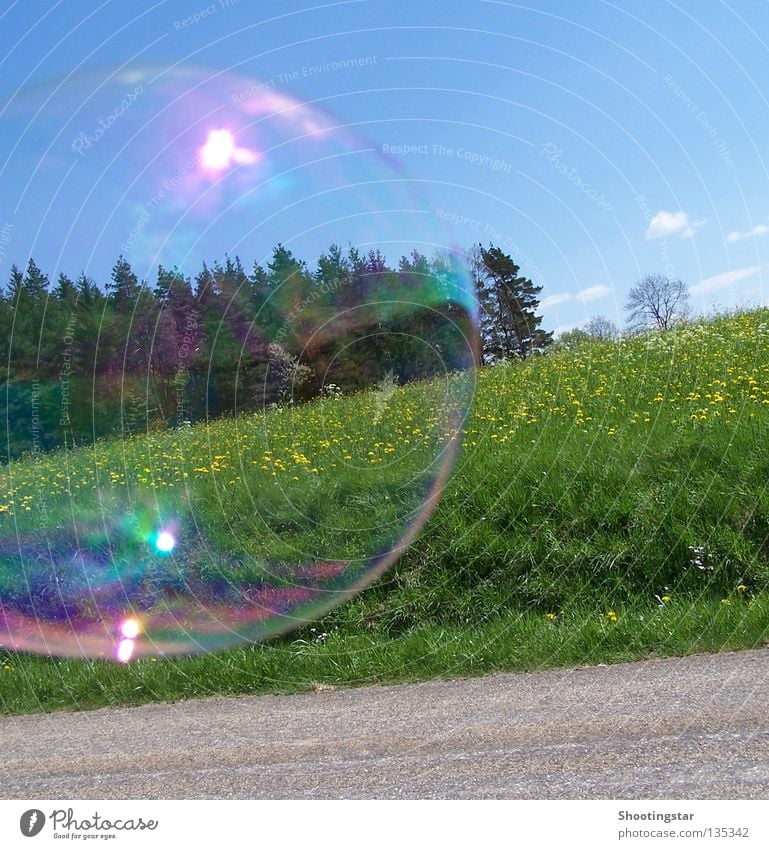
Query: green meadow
[[609, 502]]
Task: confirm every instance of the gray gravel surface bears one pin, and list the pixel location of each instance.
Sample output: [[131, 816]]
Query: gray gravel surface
[[695, 727]]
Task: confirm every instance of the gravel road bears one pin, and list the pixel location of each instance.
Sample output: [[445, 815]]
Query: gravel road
[[696, 727]]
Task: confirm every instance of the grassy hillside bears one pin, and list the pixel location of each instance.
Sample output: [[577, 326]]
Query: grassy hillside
[[608, 502]]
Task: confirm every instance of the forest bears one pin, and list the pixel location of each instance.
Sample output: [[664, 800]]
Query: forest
[[89, 359]]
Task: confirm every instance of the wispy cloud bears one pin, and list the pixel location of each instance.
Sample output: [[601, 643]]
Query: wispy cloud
[[737, 236], [723, 280], [554, 300], [593, 293], [665, 224]]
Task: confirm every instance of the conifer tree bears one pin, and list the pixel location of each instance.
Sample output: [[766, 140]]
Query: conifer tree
[[510, 325]]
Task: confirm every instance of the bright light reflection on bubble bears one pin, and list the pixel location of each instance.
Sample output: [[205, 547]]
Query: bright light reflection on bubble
[[272, 431], [165, 541], [220, 152], [130, 629], [125, 650]]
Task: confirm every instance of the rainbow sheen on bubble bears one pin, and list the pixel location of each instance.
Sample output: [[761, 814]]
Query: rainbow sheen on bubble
[[251, 414]]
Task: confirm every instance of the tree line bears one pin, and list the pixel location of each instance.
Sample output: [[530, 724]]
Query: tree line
[[86, 360], [655, 302]]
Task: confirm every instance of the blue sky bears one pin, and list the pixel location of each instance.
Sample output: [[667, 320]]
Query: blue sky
[[595, 142]]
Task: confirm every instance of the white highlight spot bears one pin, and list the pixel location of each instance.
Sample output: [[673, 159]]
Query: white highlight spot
[[130, 629], [165, 541], [125, 650], [219, 151]]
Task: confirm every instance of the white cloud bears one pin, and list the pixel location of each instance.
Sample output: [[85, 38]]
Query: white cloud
[[737, 236], [671, 224], [593, 293], [554, 300], [723, 280]]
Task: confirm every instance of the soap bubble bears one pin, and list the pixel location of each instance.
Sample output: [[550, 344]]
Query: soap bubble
[[247, 405]]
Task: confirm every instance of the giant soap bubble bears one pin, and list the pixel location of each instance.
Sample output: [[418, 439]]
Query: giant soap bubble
[[240, 401]]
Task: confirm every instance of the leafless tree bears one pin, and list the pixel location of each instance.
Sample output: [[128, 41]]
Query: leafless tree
[[656, 301], [601, 328]]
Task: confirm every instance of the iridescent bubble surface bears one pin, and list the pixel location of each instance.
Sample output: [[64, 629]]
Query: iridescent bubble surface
[[247, 391]]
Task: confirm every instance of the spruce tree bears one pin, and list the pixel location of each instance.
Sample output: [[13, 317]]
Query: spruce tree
[[510, 326]]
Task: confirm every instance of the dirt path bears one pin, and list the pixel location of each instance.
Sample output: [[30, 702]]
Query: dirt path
[[695, 727]]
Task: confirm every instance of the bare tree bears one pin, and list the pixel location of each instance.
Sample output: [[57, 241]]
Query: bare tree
[[601, 328], [656, 301]]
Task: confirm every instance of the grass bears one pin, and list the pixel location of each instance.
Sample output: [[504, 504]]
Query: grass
[[591, 482], [511, 642]]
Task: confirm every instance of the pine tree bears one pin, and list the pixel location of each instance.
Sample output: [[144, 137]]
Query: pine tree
[[90, 318], [290, 287], [124, 287], [334, 269], [65, 291], [26, 295], [88, 293], [177, 302], [15, 284], [6, 319], [35, 283], [508, 305]]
